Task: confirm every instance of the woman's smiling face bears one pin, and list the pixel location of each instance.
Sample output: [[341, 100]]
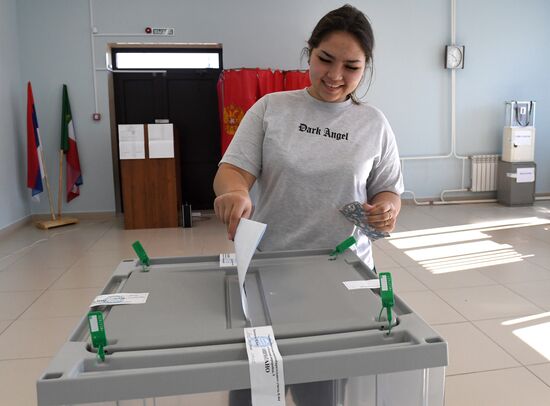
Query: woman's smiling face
[[336, 67]]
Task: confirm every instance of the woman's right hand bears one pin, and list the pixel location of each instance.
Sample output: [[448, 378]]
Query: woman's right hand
[[230, 207]]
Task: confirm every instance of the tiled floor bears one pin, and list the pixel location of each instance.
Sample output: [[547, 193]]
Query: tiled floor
[[478, 273]]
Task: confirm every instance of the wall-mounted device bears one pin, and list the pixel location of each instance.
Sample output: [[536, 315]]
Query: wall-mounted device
[[518, 141], [159, 31], [454, 57]]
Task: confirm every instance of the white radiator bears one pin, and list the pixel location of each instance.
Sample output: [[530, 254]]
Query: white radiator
[[484, 173]]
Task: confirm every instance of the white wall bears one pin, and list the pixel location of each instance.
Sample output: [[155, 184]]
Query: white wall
[[506, 58], [54, 41], [14, 204]]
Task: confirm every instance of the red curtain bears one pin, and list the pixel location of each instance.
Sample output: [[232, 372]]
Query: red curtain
[[237, 92], [296, 80], [270, 81], [239, 89]]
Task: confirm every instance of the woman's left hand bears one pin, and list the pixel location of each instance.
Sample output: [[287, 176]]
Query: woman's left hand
[[381, 215]]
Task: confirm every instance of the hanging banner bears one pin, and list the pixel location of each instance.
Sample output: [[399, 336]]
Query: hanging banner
[[238, 91]]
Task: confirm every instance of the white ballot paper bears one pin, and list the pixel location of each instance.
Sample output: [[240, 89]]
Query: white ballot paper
[[120, 299], [267, 380], [161, 140], [248, 236], [364, 284], [131, 141]]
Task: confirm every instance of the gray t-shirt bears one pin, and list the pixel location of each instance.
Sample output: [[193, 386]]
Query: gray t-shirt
[[310, 158]]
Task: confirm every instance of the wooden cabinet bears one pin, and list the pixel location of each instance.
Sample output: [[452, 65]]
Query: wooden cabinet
[[151, 193]]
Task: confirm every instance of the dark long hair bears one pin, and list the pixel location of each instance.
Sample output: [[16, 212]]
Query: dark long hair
[[346, 19]]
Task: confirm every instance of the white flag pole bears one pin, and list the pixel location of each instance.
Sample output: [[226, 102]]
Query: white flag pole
[[46, 176], [54, 222]]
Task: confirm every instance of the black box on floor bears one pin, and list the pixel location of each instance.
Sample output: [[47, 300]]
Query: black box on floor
[[516, 183], [187, 216]]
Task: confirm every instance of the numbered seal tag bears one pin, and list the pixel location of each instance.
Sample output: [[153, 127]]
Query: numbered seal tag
[[97, 333]]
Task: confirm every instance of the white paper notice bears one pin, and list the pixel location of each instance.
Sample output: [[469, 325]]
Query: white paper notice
[[120, 299], [267, 379], [228, 260], [161, 140], [525, 175], [248, 236], [131, 141], [368, 284], [522, 138]]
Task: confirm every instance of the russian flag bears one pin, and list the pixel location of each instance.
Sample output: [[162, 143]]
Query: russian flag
[[35, 171]]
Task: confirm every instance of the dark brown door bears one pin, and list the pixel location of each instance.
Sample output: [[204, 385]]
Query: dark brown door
[[187, 98]]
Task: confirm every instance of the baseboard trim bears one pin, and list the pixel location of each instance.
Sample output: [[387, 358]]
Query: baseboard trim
[[14, 226], [94, 215], [481, 196]]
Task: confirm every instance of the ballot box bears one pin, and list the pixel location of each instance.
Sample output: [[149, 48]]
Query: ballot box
[[185, 345]]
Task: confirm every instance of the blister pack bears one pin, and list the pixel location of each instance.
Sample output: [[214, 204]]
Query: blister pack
[[354, 212]]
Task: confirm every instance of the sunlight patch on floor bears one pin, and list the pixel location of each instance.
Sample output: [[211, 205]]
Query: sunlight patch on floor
[[437, 239], [481, 226], [459, 248], [525, 319], [536, 337]]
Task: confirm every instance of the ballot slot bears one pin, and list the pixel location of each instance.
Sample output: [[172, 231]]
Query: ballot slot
[[259, 312]]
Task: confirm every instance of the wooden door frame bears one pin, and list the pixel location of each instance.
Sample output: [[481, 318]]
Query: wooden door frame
[[112, 106]]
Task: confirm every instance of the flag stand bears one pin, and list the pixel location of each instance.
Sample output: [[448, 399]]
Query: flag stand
[[55, 221]]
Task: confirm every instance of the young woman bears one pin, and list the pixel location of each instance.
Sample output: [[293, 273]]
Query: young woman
[[312, 151]]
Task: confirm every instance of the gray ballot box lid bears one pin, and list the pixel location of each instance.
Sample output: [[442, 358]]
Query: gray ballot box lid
[[188, 337]]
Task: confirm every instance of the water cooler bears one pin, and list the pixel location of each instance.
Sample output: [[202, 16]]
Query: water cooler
[[516, 169]]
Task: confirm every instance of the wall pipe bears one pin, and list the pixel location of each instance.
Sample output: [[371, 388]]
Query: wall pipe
[[92, 46], [94, 33], [452, 153]]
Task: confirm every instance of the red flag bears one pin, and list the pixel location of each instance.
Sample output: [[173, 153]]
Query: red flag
[[35, 171], [68, 145]]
